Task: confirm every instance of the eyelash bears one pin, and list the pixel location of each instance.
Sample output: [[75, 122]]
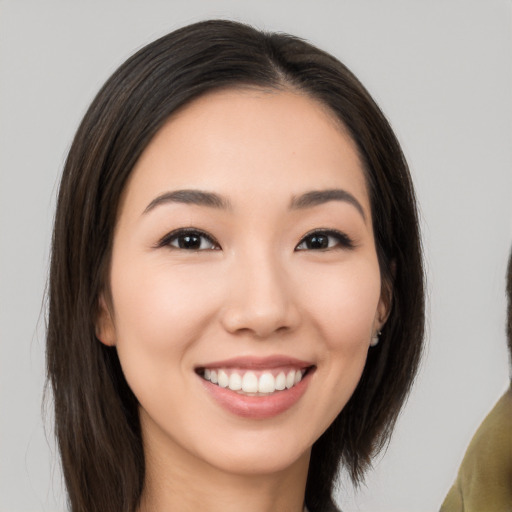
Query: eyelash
[[322, 235], [342, 241], [181, 233]]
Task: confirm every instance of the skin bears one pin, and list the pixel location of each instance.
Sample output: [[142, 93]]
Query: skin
[[259, 290]]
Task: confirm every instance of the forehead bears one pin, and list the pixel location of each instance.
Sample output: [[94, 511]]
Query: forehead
[[250, 140]]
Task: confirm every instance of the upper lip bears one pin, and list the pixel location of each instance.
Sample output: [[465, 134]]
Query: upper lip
[[258, 363]]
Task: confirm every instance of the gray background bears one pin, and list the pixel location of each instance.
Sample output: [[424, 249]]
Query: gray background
[[442, 72]]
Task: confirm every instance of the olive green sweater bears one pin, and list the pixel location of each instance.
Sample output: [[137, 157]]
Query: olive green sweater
[[484, 481]]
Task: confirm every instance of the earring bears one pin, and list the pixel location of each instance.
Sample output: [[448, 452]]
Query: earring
[[375, 339]]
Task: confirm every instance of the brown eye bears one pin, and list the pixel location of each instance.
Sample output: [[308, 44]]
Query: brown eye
[[323, 240], [317, 242], [189, 240]]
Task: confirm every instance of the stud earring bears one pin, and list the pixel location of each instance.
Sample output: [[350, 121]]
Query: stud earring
[[375, 339]]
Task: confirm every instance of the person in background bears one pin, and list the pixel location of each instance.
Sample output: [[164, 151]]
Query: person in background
[[484, 481]]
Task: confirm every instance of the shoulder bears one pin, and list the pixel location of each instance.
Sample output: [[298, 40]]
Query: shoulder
[[485, 475]]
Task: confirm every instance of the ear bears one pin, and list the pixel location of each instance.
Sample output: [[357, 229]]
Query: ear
[[105, 328], [383, 310], [386, 300]]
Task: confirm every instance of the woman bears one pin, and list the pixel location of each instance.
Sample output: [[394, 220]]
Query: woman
[[236, 287]]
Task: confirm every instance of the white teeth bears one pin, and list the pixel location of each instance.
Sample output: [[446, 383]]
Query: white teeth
[[235, 382], [290, 379], [280, 381], [267, 383], [223, 379], [250, 383]]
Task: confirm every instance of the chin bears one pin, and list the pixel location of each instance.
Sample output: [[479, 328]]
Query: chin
[[260, 461]]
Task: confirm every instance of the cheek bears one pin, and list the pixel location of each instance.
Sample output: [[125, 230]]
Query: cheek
[[344, 313], [160, 307], [159, 315], [344, 306], [160, 312]]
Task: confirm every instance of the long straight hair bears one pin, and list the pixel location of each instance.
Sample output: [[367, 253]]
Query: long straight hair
[[96, 414]]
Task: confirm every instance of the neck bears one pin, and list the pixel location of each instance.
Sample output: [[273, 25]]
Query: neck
[[177, 480]]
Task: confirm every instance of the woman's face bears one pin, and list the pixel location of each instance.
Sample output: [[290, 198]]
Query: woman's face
[[244, 281]]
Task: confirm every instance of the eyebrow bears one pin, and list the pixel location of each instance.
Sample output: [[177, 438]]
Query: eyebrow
[[317, 197], [195, 197], [212, 200]]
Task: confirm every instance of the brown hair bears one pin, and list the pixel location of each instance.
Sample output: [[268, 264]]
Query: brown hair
[[96, 414]]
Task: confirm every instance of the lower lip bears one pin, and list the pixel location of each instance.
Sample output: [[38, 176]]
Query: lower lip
[[257, 407]]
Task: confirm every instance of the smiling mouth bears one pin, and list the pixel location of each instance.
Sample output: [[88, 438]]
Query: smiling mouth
[[254, 382]]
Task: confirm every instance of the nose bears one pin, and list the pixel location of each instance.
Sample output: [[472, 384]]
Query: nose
[[261, 298]]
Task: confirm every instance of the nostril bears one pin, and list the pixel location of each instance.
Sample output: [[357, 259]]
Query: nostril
[[260, 323]]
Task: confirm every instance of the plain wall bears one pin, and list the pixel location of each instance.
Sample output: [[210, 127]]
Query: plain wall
[[442, 72]]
